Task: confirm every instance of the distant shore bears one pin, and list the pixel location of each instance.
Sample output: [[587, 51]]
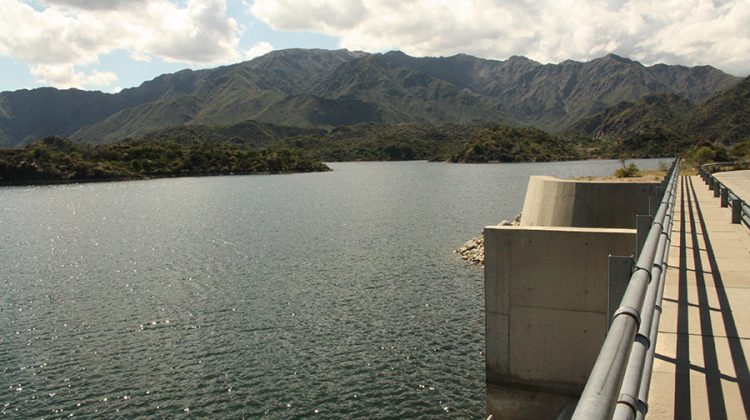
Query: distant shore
[[40, 182], [55, 160]]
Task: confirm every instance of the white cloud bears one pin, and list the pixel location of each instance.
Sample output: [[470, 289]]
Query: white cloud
[[258, 49], [319, 14], [689, 32], [199, 33], [65, 76], [63, 35], [96, 4]]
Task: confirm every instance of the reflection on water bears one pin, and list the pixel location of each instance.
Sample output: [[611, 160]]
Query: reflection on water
[[331, 293]]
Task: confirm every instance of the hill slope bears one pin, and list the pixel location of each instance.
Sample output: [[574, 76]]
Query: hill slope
[[724, 118], [667, 123], [321, 88]]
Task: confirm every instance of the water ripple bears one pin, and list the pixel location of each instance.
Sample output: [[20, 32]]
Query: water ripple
[[330, 294]]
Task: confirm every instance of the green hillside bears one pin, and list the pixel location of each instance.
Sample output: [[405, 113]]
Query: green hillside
[[725, 118], [667, 124], [506, 144], [326, 89]]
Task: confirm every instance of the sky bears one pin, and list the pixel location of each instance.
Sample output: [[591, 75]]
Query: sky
[[109, 45]]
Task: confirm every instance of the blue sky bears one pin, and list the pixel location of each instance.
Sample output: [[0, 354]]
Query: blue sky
[[112, 44]]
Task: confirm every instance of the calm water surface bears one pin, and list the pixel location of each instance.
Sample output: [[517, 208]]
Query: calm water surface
[[332, 294]]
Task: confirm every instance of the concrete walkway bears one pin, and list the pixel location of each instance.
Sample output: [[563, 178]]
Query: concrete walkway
[[737, 181], [702, 366]]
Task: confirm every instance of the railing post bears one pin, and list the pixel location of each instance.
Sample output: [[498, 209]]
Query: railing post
[[736, 210], [717, 188], [724, 197], [711, 185]]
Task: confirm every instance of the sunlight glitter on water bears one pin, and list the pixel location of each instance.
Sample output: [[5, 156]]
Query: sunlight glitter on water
[[334, 294]]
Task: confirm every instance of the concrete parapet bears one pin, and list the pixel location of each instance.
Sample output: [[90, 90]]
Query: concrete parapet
[[560, 202], [546, 313]]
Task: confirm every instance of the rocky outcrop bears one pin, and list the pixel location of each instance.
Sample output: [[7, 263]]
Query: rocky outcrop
[[473, 249]]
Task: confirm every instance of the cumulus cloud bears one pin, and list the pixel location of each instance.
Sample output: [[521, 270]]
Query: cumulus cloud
[[96, 4], [65, 76], [62, 35], [686, 32], [258, 49], [321, 15]]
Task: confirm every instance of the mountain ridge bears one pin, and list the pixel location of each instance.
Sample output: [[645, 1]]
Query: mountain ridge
[[314, 88], [667, 121]]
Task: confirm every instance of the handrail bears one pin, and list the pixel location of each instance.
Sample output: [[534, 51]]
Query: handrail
[[740, 208], [616, 383]]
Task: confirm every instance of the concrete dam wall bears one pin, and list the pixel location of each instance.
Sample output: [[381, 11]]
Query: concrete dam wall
[[560, 202], [547, 291]]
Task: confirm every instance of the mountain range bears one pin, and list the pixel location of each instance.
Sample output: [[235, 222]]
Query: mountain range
[[310, 89], [668, 122]]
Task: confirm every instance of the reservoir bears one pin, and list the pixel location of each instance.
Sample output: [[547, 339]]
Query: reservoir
[[330, 294]]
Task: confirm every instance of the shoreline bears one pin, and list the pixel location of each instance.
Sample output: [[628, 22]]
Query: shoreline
[[149, 177]]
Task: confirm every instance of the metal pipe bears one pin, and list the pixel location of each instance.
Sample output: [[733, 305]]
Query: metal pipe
[[627, 404], [601, 391], [649, 365], [597, 400]]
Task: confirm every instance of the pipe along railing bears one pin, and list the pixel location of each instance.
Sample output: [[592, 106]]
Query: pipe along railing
[[740, 209], [619, 382]]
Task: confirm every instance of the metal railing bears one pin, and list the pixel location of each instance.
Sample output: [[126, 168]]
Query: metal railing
[[740, 208], [619, 381]]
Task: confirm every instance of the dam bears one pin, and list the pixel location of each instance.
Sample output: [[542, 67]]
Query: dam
[[556, 284]]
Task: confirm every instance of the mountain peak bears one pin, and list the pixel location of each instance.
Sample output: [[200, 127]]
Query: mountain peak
[[396, 54], [519, 59], [614, 58]]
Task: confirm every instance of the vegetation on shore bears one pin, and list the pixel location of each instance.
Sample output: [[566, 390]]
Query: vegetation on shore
[[628, 170], [391, 142], [715, 152], [54, 159], [191, 151], [506, 144]]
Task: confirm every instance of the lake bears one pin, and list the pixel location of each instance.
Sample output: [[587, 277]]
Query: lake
[[334, 294]]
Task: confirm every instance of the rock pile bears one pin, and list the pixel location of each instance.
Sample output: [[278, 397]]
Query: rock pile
[[473, 249]]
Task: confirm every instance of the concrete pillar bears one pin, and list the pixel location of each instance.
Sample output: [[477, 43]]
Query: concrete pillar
[[724, 197]]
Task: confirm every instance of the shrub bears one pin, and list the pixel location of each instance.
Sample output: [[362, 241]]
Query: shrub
[[627, 171]]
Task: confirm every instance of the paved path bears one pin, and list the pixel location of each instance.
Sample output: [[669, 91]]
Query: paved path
[[737, 181], [702, 363]]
